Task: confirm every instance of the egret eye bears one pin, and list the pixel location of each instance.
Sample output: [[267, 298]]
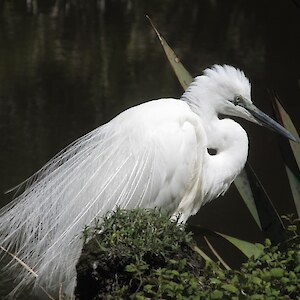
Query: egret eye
[[237, 100]]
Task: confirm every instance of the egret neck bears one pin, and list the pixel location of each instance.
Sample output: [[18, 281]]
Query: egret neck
[[226, 136]]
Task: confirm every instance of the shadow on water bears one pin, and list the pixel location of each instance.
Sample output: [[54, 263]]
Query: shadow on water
[[67, 67]]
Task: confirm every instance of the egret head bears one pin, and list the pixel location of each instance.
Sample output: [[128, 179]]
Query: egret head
[[229, 92]]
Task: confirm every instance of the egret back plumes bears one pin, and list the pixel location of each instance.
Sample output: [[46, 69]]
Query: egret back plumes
[[152, 155]]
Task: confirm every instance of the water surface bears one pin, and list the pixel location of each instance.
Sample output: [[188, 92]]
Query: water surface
[[67, 67]]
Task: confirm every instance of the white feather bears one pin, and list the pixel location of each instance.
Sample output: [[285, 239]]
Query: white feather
[[118, 164], [152, 155]]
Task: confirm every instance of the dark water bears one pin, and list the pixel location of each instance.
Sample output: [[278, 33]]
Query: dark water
[[67, 67]]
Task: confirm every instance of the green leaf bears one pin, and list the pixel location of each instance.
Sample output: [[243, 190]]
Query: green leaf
[[243, 186], [295, 188], [277, 272], [247, 248], [256, 280], [297, 269], [182, 74], [148, 288], [291, 289], [202, 254], [215, 280], [130, 268], [217, 294], [285, 119], [285, 280], [270, 220], [288, 124], [230, 288], [257, 297]]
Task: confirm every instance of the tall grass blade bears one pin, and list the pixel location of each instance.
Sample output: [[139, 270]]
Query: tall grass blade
[[271, 222], [295, 188], [247, 248], [202, 254], [21, 262], [243, 186], [214, 251], [292, 164], [288, 124], [182, 74], [29, 269]]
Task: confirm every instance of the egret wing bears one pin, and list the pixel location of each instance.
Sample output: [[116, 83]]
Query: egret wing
[[139, 159]]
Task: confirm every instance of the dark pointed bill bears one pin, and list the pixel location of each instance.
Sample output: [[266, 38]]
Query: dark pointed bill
[[266, 121]]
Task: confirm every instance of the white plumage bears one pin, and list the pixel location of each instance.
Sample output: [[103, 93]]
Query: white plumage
[[151, 155]]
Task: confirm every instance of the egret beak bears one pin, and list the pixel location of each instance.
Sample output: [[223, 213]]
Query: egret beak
[[264, 120]]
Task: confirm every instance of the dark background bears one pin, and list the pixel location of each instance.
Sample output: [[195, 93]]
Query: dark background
[[67, 67]]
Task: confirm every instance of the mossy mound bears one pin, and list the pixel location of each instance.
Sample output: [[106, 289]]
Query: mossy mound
[[135, 254], [141, 254]]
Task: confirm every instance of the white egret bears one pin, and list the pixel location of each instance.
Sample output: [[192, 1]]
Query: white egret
[[151, 155]]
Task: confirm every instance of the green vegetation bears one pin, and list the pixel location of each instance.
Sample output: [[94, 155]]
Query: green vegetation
[[141, 254], [135, 253], [275, 274]]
